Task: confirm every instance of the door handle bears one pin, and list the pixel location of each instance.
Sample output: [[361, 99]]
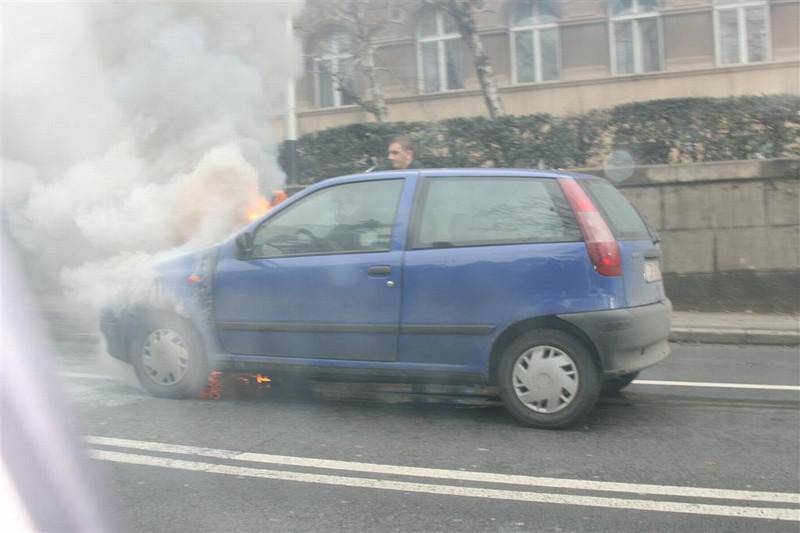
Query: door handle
[[379, 271]]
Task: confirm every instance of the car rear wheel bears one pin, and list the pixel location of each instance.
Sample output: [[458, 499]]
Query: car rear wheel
[[617, 383], [168, 356], [548, 379]]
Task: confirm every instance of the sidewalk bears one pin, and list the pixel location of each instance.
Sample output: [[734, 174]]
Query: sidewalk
[[735, 328], [687, 326]]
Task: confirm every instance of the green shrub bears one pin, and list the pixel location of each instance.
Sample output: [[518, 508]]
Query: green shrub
[[680, 130]]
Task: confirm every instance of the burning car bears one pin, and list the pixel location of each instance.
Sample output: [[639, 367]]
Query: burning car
[[546, 284]]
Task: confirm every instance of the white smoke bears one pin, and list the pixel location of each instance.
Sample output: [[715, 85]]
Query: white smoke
[[134, 128]]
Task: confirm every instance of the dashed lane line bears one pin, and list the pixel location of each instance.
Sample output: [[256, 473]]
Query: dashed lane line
[[449, 490]]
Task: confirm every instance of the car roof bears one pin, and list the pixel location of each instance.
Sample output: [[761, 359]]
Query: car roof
[[457, 173]]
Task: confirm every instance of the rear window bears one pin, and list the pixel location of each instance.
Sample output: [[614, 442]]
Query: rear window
[[623, 218], [491, 211]]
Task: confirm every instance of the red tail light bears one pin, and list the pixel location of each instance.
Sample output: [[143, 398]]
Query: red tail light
[[600, 242]]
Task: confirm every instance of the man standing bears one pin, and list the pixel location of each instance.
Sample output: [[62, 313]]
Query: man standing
[[401, 153]]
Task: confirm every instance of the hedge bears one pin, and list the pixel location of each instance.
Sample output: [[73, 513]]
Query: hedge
[[680, 130]]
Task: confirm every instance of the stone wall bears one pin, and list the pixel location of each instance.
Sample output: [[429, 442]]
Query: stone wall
[[730, 231]]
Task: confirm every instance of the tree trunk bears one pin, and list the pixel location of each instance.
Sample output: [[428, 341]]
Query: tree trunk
[[380, 109], [462, 12]]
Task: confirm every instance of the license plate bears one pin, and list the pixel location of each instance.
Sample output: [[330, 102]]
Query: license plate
[[652, 270]]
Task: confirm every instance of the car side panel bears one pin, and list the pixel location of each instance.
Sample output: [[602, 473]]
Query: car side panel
[[456, 301]]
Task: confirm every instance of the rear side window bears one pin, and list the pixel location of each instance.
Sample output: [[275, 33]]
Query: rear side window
[[488, 211], [623, 218]]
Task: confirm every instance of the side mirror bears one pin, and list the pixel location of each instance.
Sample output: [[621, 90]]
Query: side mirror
[[244, 245]]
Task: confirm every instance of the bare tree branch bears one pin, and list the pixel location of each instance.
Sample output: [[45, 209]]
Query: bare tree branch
[[344, 86]]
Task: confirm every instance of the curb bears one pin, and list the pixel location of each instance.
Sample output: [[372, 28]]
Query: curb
[[739, 336]]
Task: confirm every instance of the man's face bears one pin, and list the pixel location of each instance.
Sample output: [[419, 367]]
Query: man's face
[[399, 156]]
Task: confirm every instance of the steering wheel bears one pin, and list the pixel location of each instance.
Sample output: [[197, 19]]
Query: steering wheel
[[316, 241]]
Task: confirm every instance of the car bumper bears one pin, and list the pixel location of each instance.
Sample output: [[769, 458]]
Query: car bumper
[[627, 340], [112, 326]]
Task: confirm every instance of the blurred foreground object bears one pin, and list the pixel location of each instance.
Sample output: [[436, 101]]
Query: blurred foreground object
[[46, 480]]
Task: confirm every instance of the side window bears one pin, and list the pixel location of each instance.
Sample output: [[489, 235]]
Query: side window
[[742, 31], [618, 211], [439, 52], [483, 211], [333, 65], [534, 31], [636, 42], [353, 217]]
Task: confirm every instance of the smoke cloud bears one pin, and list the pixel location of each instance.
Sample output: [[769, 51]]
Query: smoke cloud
[[134, 128]]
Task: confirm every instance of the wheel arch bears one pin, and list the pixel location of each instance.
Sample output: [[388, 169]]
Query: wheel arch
[[543, 322], [141, 313], [194, 377]]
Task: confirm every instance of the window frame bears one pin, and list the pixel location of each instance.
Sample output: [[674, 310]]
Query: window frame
[[740, 6], [421, 196], [440, 39], [334, 58], [277, 216], [536, 28], [634, 17]]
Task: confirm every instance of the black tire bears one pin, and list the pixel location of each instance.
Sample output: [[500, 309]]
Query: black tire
[[615, 384], [172, 330], [578, 370]]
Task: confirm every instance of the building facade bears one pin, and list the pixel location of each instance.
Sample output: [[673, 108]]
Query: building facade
[[555, 56]]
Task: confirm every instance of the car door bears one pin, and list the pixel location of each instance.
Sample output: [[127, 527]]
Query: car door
[[320, 282], [485, 252]]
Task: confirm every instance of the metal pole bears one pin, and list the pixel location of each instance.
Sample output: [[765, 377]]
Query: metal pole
[[291, 109]]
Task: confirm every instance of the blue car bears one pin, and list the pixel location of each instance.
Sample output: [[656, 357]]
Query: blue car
[[545, 284]]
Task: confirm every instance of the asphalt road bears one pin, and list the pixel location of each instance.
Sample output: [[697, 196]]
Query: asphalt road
[[661, 456]]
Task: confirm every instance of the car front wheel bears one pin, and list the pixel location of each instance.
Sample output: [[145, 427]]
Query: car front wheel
[[548, 379], [168, 356]]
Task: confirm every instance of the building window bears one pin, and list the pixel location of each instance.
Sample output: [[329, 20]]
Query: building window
[[635, 36], [534, 41], [439, 52], [742, 31], [332, 70]]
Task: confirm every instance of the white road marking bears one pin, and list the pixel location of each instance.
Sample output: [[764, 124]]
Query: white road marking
[[475, 492], [437, 473], [715, 385], [701, 384], [82, 375]]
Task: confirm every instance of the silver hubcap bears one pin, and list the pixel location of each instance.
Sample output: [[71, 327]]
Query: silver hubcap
[[545, 379], [165, 357]]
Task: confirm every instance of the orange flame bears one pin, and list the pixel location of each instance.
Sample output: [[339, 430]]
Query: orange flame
[[260, 206], [235, 385], [213, 390], [278, 196]]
